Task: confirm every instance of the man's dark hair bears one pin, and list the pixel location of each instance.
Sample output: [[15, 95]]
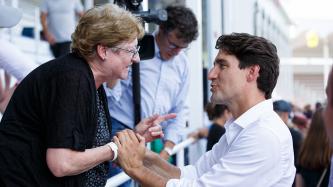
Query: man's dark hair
[[253, 50], [183, 20]]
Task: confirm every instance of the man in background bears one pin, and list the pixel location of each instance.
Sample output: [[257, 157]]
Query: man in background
[[58, 22], [283, 109]]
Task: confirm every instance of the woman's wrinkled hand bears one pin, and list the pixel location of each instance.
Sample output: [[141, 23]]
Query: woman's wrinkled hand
[[150, 128]]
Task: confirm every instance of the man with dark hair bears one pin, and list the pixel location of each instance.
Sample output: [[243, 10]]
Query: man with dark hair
[[181, 26], [257, 147], [164, 79], [328, 117], [261, 54]]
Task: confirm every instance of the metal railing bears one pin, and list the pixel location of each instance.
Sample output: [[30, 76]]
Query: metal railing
[[177, 149]]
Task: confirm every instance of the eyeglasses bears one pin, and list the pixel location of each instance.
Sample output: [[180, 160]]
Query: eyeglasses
[[134, 51], [175, 46]]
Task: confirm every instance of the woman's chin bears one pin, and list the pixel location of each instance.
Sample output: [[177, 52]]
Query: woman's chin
[[124, 77]]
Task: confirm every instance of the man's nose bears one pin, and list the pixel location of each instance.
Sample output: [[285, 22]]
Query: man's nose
[[175, 51], [212, 74]]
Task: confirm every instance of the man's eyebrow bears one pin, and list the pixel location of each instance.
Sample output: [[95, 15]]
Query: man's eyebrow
[[220, 61]]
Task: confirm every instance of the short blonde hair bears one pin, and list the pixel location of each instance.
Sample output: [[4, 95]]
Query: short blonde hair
[[109, 25]]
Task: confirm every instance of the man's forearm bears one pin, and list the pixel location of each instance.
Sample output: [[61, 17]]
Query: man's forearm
[[155, 163], [147, 177]]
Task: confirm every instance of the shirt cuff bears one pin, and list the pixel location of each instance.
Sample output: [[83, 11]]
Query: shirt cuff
[[180, 183], [187, 177], [188, 172], [173, 132], [173, 183]]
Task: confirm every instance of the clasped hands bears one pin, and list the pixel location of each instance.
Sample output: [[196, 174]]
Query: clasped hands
[[131, 144]]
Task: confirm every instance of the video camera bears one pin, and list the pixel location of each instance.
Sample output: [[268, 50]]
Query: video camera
[[147, 49]]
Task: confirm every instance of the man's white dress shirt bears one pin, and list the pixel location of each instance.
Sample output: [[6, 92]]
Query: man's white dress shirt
[[256, 151]]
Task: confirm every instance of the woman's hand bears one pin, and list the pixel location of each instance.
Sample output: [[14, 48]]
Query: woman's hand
[[150, 128]]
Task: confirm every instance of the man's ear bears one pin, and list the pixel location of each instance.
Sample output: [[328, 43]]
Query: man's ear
[[101, 51], [253, 73]]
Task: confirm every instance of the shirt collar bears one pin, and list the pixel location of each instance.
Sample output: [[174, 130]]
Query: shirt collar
[[254, 113], [235, 126]]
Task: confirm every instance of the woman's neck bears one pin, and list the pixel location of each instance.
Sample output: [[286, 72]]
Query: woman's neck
[[97, 73]]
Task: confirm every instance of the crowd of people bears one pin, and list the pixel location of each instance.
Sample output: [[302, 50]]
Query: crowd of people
[[70, 121]]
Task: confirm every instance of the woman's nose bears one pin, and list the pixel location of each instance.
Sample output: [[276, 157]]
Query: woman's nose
[[136, 58]]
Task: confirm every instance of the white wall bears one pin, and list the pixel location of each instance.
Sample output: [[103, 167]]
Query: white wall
[[195, 98], [214, 28], [238, 16]]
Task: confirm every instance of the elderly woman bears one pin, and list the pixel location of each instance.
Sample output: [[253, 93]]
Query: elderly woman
[[56, 128]]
